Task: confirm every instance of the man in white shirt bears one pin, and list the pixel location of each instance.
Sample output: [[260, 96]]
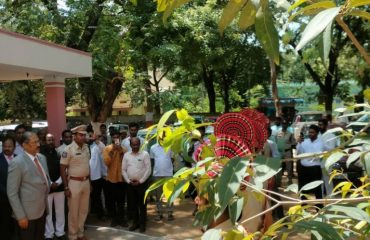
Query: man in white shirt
[[98, 171], [133, 129], [56, 194], [136, 169], [276, 127], [163, 167], [309, 169]]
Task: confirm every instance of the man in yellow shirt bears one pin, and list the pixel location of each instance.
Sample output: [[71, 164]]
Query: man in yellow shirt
[[112, 155]]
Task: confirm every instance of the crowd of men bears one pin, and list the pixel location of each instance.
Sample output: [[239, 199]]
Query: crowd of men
[[103, 173], [108, 174], [316, 140]]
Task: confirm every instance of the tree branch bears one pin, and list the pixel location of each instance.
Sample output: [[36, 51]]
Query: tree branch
[[360, 48]]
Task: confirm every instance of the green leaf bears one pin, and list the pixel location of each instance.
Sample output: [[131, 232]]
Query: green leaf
[[323, 229], [316, 235], [317, 25], [366, 162], [161, 5], [235, 209], [333, 158], [229, 181], [352, 212], [292, 187], [182, 114], [178, 189], [265, 168], [325, 43], [155, 185], [357, 3], [266, 33], [207, 151], [229, 13], [233, 234], [212, 234], [164, 119], [205, 161], [311, 185], [296, 4], [205, 217], [183, 172], [313, 8], [353, 157], [186, 144], [359, 13], [247, 16], [212, 138]]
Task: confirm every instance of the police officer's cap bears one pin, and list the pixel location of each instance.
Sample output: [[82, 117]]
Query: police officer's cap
[[79, 129]]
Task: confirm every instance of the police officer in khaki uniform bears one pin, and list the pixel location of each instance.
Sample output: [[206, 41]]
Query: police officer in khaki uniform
[[74, 170]]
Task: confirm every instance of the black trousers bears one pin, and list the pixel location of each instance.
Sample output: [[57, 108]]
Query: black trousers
[[35, 230], [307, 175], [136, 205], [96, 198], [7, 223], [116, 201]]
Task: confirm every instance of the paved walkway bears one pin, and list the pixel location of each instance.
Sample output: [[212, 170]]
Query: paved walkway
[[179, 229]]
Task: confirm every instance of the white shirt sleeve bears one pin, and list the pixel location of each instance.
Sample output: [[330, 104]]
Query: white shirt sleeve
[[124, 169], [148, 168]]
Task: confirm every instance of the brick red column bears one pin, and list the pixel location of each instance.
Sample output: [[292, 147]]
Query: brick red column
[[55, 106]]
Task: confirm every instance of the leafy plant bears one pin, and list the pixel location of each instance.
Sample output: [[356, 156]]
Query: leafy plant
[[225, 185]]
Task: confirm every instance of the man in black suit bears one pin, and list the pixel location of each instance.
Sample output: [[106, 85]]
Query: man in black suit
[[7, 223]]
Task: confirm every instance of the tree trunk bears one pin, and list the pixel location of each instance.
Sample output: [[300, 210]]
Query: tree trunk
[[275, 93], [329, 98], [208, 79], [225, 90], [101, 108], [157, 101]]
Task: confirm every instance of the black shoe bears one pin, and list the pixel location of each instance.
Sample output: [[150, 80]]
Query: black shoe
[[170, 217], [133, 227], [158, 217], [114, 223], [62, 237], [123, 224], [142, 229], [48, 239]]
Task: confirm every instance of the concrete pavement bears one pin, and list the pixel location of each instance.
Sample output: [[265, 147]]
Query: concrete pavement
[[179, 229]]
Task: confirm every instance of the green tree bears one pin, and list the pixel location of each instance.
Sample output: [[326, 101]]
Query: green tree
[[22, 100], [84, 25]]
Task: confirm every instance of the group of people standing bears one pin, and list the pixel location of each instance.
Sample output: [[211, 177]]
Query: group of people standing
[[317, 140], [36, 178]]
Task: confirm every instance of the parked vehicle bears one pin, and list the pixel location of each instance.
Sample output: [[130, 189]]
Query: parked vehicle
[[119, 127], [359, 124]]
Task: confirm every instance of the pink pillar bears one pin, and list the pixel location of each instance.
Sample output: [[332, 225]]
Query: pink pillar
[[55, 106]]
